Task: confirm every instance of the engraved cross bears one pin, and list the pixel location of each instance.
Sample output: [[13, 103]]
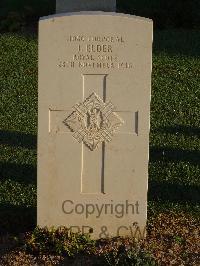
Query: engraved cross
[[93, 123]]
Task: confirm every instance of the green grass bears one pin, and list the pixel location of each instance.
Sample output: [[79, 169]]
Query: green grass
[[18, 127], [175, 121], [174, 169]]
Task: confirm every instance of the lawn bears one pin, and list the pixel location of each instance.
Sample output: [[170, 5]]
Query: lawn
[[174, 168]]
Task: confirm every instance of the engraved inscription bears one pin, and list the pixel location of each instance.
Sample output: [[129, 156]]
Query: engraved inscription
[[93, 121], [95, 52]]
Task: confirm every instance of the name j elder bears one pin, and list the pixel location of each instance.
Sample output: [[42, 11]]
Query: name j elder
[[118, 210]]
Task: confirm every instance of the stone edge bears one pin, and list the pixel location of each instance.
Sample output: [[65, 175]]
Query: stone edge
[[90, 13]]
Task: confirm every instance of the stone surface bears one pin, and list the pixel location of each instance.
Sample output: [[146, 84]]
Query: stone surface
[[94, 117], [85, 5]]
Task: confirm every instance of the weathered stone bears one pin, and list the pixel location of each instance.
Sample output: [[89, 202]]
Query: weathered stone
[[94, 117]]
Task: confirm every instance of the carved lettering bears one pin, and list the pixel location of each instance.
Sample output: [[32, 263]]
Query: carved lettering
[[98, 48], [100, 52]]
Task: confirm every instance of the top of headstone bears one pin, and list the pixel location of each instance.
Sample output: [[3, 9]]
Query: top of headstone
[[85, 5]]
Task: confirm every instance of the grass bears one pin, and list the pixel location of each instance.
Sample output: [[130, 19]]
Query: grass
[[175, 124], [18, 127], [174, 168]]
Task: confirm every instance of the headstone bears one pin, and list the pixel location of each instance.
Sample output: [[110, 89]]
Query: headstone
[[94, 117], [85, 5]]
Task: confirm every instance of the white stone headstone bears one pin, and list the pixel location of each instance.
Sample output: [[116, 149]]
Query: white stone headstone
[[94, 120]]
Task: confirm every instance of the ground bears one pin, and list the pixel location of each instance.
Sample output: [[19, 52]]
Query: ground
[[174, 168]]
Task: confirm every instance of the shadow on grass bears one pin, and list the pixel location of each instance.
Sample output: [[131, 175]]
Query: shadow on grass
[[174, 155], [16, 219], [174, 192], [177, 42], [25, 174], [179, 129], [14, 138], [21, 173], [164, 191]]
